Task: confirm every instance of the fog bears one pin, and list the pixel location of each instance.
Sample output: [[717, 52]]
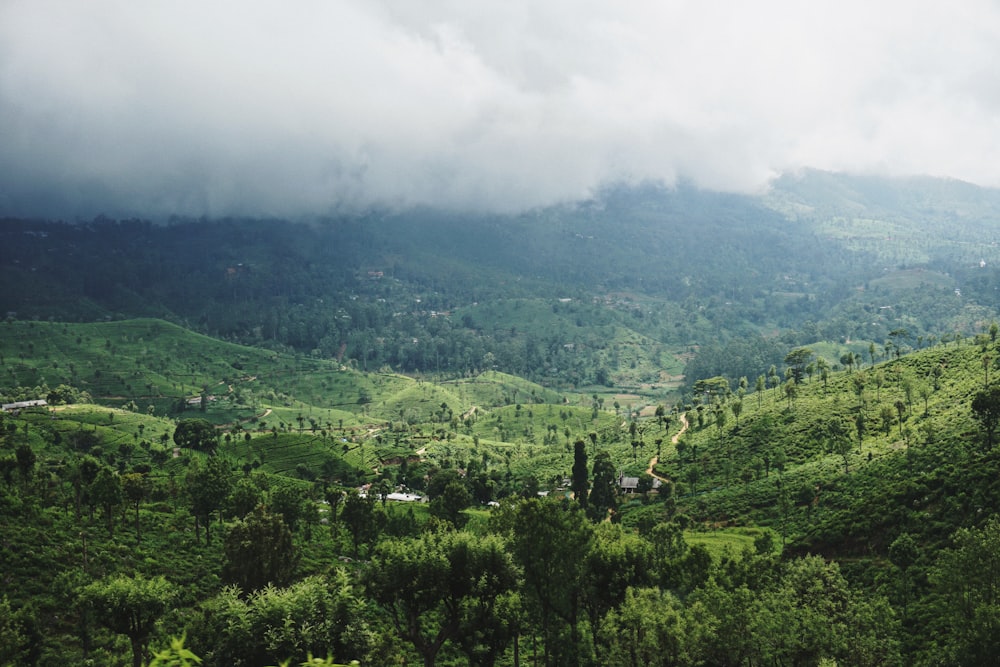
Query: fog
[[307, 108]]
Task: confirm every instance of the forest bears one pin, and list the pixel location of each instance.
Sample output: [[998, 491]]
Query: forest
[[658, 428]]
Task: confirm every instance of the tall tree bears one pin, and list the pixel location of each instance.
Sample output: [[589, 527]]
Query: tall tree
[[135, 486], [358, 516], [26, 458], [259, 552], [106, 491], [986, 410], [903, 553], [289, 502], [579, 483], [797, 360], [541, 529], [966, 577], [616, 562], [208, 485], [451, 504], [824, 370], [430, 584], [604, 494]]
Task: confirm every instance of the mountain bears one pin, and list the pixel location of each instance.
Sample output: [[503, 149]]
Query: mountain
[[692, 273]]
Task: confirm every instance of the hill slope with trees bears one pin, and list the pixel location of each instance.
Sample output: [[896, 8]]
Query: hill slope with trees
[[267, 522]]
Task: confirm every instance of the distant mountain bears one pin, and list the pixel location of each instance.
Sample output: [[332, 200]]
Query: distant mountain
[[686, 268]]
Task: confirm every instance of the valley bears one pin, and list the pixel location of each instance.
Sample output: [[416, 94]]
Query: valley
[[660, 427]]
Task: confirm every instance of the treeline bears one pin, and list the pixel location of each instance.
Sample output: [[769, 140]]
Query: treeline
[[380, 289], [540, 580]]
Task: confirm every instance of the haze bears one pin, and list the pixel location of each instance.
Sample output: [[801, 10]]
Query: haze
[[302, 109]]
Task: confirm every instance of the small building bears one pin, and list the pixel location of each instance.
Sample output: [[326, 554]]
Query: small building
[[405, 497], [21, 405], [628, 484]]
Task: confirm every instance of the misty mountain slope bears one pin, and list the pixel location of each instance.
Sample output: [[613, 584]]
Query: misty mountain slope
[[816, 257], [679, 243], [916, 220]]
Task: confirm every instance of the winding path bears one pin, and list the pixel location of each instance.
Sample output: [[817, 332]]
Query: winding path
[[653, 461]]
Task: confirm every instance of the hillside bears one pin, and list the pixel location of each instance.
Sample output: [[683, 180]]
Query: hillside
[[784, 468], [245, 440], [620, 288]]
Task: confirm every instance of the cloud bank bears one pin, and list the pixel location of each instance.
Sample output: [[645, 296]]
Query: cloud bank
[[256, 107]]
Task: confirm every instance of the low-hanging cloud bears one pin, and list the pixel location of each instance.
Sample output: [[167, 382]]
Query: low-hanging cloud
[[258, 107]]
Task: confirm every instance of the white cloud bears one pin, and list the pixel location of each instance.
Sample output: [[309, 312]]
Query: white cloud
[[257, 107]]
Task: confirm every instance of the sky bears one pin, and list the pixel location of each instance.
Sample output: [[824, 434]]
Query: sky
[[313, 107]]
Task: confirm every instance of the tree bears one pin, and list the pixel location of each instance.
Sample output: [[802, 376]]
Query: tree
[[358, 516], [797, 360], [986, 410], [579, 482], [604, 494], [936, 373], [26, 458], [903, 553], [721, 417], [439, 586], [901, 411], [847, 360], [879, 377], [12, 636], [106, 491], [449, 506], [838, 440], [135, 486], [810, 616], [129, 606], [208, 485], [791, 391], [616, 561], [289, 502], [885, 413], [858, 383], [824, 370], [259, 552], [737, 408], [965, 576], [197, 434], [440, 480], [897, 335], [772, 377], [244, 497], [314, 616], [541, 529], [859, 427], [924, 392]]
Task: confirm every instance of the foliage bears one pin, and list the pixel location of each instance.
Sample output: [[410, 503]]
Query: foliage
[[259, 552], [130, 606], [986, 410], [314, 616], [196, 434], [176, 655], [440, 586]]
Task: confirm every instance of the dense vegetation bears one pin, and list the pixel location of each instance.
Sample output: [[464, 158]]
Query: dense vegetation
[[846, 515], [822, 484], [618, 290]]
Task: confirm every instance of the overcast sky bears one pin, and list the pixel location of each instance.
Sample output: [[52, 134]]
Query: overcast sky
[[300, 108]]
